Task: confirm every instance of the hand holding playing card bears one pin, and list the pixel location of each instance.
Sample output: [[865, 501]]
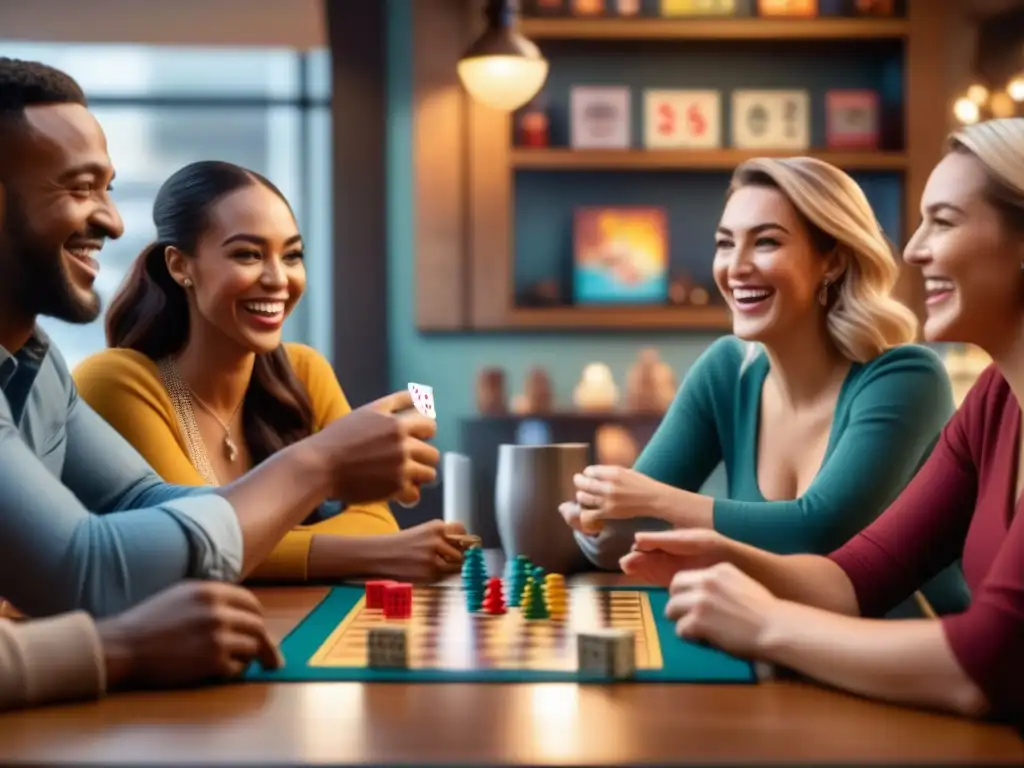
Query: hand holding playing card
[[375, 455], [423, 399]]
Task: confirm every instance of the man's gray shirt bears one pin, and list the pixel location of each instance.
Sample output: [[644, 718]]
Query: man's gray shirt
[[85, 522]]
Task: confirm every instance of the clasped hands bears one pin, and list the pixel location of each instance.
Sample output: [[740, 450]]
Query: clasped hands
[[613, 493]]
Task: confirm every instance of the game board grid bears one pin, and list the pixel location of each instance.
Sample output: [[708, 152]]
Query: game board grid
[[443, 634]]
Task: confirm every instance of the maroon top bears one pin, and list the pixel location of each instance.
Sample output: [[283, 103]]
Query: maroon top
[[960, 503]]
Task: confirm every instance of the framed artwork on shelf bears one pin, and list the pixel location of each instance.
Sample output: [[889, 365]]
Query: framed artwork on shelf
[[677, 8], [620, 255], [852, 119], [676, 119], [789, 8], [599, 117], [771, 119]]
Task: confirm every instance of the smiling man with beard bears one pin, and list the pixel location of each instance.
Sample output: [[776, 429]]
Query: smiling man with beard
[[85, 523]]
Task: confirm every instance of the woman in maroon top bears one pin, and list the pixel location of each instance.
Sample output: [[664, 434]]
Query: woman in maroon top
[[821, 615]]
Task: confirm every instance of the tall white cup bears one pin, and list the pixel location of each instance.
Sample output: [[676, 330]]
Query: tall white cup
[[457, 488]]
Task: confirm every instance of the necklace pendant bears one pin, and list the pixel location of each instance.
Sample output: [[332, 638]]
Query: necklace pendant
[[232, 449]]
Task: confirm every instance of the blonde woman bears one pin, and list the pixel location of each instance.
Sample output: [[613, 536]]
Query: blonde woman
[[820, 406], [812, 614]]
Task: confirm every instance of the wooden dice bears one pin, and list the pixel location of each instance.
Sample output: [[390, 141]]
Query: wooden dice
[[606, 653], [387, 647]]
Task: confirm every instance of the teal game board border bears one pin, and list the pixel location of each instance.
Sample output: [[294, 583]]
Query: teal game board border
[[682, 662]]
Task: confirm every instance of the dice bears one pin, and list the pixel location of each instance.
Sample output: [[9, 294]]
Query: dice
[[375, 593], [398, 601], [606, 653], [387, 647]]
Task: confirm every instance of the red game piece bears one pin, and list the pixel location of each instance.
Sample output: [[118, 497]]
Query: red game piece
[[494, 600], [398, 600], [375, 593]]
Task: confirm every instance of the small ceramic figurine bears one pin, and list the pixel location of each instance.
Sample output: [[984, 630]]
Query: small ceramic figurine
[[615, 446], [596, 390], [490, 392], [650, 383], [533, 127], [539, 396]]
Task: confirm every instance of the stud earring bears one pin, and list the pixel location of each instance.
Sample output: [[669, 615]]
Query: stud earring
[[823, 293], [187, 282]]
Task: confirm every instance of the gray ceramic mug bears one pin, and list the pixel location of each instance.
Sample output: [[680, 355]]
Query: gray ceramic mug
[[532, 481]]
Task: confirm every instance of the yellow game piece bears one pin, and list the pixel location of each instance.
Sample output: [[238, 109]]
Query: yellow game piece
[[555, 595], [524, 598]]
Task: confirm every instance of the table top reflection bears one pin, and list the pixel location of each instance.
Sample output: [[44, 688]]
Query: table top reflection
[[499, 724]]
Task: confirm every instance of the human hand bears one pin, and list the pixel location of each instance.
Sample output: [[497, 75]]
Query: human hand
[[658, 555], [423, 553], [193, 632], [573, 516], [722, 606], [374, 454], [617, 493]]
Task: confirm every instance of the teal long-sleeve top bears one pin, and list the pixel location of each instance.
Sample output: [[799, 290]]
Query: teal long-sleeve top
[[888, 417]]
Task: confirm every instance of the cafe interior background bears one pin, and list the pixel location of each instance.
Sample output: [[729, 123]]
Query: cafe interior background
[[535, 245]]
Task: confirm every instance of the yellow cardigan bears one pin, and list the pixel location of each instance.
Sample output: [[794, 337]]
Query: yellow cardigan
[[125, 388]]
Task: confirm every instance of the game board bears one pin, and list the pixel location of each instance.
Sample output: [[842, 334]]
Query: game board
[[449, 643]]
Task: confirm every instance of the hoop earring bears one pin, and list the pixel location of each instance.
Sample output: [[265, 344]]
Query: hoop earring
[[823, 293]]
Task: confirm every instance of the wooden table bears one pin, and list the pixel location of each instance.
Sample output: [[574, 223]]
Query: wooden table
[[390, 723]]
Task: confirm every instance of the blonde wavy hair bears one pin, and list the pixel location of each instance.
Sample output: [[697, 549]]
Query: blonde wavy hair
[[863, 318], [999, 146]]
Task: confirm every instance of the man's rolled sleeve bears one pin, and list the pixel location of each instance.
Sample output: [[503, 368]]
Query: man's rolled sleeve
[[213, 532]]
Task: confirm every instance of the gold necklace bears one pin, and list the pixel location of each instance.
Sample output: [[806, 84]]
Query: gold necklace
[[182, 399]]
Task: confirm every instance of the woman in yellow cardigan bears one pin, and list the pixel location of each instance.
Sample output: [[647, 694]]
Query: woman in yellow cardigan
[[198, 380]]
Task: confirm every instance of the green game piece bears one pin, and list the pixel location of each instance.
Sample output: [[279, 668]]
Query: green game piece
[[519, 570], [474, 578], [474, 601], [537, 609]]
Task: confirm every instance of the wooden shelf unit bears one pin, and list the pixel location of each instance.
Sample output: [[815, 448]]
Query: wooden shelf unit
[[686, 160], [714, 29], [465, 162], [651, 318]]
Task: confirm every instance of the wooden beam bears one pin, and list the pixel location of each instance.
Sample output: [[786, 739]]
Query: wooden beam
[[440, 35], [359, 130], [927, 114]]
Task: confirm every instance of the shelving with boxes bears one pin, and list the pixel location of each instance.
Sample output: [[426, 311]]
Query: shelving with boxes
[[635, 135]]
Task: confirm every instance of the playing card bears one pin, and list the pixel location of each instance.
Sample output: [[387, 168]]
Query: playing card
[[423, 399]]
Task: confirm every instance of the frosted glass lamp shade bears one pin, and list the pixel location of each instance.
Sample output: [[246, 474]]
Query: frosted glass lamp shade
[[502, 81], [502, 69]]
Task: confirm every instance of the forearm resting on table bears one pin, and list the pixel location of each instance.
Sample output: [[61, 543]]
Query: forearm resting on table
[[341, 557], [274, 498], [806, 579], [904, 662]]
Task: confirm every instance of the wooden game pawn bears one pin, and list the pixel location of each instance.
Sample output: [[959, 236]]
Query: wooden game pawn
[[556, 601], [524, 596], [494, 600]]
